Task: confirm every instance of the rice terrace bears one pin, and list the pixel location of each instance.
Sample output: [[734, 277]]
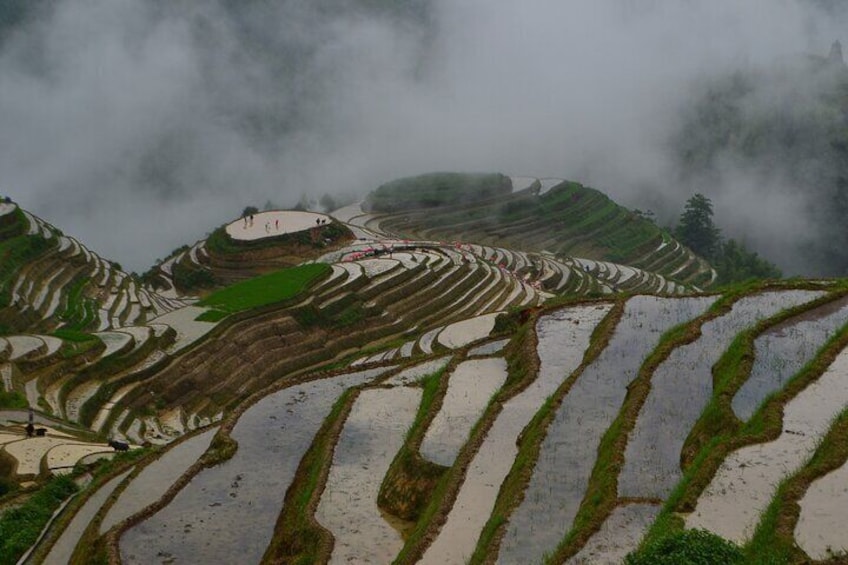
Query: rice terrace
[[460, 368]]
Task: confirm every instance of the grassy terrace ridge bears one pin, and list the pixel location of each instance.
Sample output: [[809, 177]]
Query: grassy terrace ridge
[[21, 526], [774, 538], [438, 189], [569, 219], [530, 442], [703, 454], [266, 289], [101, 473], [298, 537], [410, 480], [601, 495], [446, 489]]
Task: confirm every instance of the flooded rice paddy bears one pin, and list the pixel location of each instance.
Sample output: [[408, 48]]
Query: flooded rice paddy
[[783, 350], [745, 483], [567, 454], [619, 535], [373, 433], [563, 338], [680, 389], [227, 513], [821, 530], [470, 388], [155, 479], [61, 551]]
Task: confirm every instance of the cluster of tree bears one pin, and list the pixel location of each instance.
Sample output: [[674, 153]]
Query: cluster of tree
[[732, 260], [780, 126]]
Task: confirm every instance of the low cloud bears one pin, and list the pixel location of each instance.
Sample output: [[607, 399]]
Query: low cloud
[[139, 125]]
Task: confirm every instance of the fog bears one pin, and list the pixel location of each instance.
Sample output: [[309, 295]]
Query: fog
[[140, 125]]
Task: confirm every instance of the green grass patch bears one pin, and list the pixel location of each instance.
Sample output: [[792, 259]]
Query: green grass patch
[[298, 538], [12, 400], [21, 526], [212, 316], [774, 539], [74, 336], [266, 289], [689, 547], [409, 482]]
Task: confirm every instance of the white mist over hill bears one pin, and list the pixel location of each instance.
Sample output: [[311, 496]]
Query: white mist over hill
[[139, 125]]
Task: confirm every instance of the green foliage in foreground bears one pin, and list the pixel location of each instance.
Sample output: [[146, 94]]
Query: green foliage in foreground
[[266, 289], [689, 547], [12, 400], [20, 527], [438, 189]]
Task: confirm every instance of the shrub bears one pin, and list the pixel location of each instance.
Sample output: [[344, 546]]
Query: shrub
[[689, 547], [20, 526], [12, 400]]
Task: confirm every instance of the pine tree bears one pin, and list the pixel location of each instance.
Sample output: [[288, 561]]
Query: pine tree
[[696, 228]]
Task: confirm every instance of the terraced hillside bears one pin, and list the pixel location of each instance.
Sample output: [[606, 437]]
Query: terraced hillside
[[49, 281], [382, 399], [556, 433], [560, 217], [244, 249]]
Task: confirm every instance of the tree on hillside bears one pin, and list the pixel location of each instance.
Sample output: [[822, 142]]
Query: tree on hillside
[[696, 229], [736, 263], [249, 211]]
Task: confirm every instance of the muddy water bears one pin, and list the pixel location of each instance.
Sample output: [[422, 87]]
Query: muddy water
[[63, 548], [680, 389], [227, 513], [152, 482], [373, 433], [470, 388], [783, 350], [746, 481], [619, 535], [488, 348], [563, 339], [824, 513], [464, 332], [568, 452], [417, 372]]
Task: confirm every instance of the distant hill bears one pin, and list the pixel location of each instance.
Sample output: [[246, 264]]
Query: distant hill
[[565, 218], [785, 129]]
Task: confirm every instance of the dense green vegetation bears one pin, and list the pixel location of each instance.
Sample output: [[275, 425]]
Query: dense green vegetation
[[192, 277], [438, 189], [80, 312], [407, 486], [16, 252], [266, 289], [731, 260], [12, 400], [20, 526], [569, 219], [220, 243], [783, 130], [689, 547]]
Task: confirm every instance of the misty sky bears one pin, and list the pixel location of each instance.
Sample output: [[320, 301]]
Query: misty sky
[[140, 125]]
